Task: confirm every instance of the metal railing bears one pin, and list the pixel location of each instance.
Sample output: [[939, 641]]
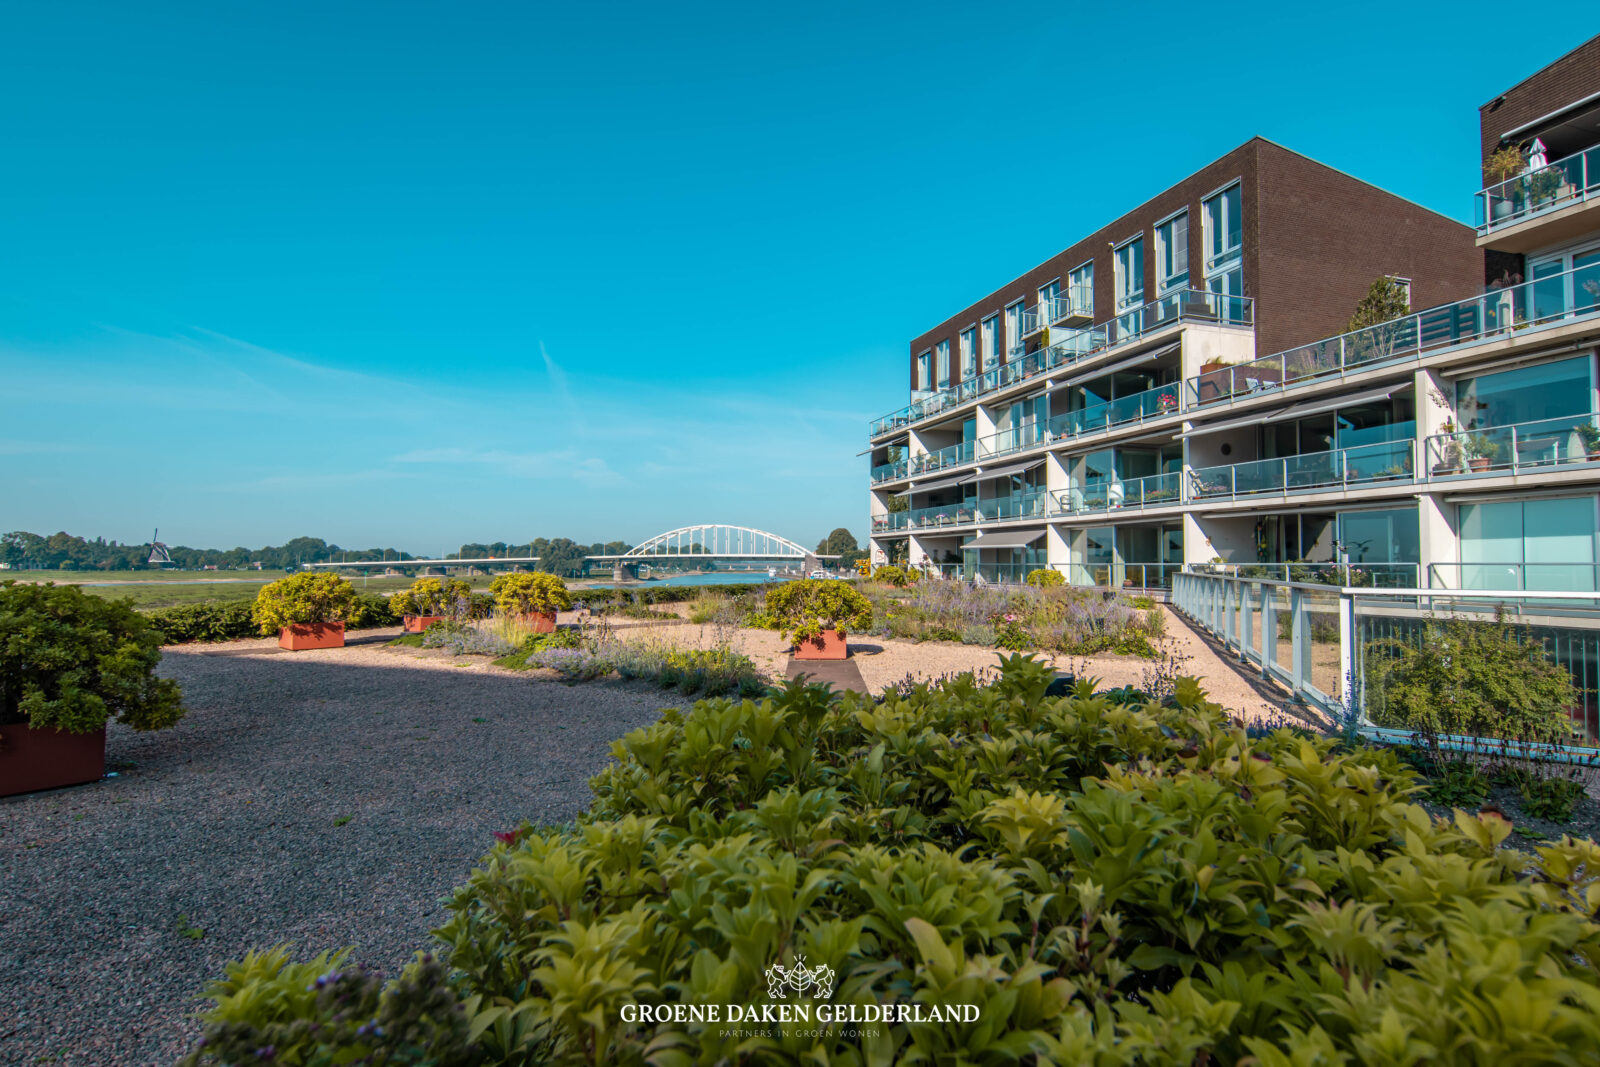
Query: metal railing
[[1572, 294], [1123, 575], [1519, 575], [950, 456], [1196, 305], [1153, 490], [1384, 461], [1074, 302], [884, 472], [1329, 645], [1566, 181], [1357, 575], [1155, 403], [1514, 447], [1014, 506]]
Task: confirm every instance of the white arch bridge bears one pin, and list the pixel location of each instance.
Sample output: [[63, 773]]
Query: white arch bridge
[[707, 542]]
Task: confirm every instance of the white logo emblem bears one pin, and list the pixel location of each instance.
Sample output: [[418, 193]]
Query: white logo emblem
[[799, 981]]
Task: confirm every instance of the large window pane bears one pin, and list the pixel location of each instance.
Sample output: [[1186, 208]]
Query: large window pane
[[1526, 394]]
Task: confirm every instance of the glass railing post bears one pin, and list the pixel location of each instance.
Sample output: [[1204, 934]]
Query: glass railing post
[[1516, 454]]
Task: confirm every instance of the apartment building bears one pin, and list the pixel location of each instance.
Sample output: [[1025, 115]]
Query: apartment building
[[1173, 390]]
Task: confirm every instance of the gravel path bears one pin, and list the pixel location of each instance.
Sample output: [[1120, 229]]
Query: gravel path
[[232, 820]]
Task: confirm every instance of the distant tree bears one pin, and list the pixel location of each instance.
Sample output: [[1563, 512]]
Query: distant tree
[[838, 543]]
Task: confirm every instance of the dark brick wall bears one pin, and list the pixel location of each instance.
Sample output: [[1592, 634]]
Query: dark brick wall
[[1325, 236], [1566, 81], [1314, 240]]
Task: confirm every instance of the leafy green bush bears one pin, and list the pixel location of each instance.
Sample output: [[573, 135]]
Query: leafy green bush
[[1458, 783], [1044, 576], [465, 639], [525, 593], [1105, 884], [321, 1012], [368, 612], [303, 598], [430, 596], [1486, 679], [811, 605], [1552, 798], [204, 622], [73, 661], [896, 576]]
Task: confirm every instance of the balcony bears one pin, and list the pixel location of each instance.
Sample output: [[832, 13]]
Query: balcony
[[1155, 403], [1545, 301], [885, 472], [1514, 448], [1182, 305], [1543, 206], [950, 456], [1151, 491], [1336, 469], [1521, 576], [1074, 307]]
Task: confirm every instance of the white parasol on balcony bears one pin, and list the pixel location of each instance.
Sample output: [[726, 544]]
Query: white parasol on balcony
[[1536, 157]]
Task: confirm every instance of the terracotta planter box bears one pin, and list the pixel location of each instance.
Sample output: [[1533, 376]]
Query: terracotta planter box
[[302, 636], [415, 624], [830, 645], [1479, 463], [543, 622], [49, 759]]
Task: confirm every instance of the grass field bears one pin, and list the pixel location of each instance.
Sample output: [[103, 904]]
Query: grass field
[[167, 589]]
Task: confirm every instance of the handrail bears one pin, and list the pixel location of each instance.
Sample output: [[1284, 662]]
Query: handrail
[[1571, 179], [1513, 447], [1078, 345], [1308, 470]]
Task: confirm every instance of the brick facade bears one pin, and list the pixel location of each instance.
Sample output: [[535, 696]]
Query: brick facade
[[1566, 81], [1314, 240]]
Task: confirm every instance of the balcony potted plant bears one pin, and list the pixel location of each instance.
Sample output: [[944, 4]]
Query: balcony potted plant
[[1449, 461], [818, 615], [1167, 403], [70, 663], [1590, 433], [535, 597], [1481, 451], [305, 610], [428, 601], [1503, 164]]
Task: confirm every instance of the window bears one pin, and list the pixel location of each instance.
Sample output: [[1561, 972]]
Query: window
[[925, 371], [1404, 285], [1130, 274], [991, 342], [1527, 394], [1529, 544], [1564, 283], [1013, 326], [1224, 243], [1172, 253], [1388, 536], [944, 363], [1080, 290], [969, 345], [1047, 302]]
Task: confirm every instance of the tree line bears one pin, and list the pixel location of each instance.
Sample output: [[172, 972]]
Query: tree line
[[63, 551]]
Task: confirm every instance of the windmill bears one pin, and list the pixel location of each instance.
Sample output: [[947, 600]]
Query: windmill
[[158, 551]]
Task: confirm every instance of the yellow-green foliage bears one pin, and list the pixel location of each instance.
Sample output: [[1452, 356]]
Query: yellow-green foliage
[[1044, 576], [303, 598], [896, 576], [811, 605], [430, 596], [1109, 884], [525, 593]]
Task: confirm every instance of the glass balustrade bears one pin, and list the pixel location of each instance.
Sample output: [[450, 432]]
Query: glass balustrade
[[1566, 181], [950, 456], [1573, 294], [1195, 305], [1388, 460], [884, 472], [1515, 447], [1151, 491], [1137, 407]]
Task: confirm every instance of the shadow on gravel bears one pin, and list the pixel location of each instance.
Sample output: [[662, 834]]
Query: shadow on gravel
[[305, 801]]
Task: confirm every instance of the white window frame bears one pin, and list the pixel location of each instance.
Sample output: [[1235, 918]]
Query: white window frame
[[989, 339], [1013, 327], [1166, 284], [1134, 297], [1047, 295], [942, 364], [1077, 280], [925, 370], [1224, 262], [967, 352]]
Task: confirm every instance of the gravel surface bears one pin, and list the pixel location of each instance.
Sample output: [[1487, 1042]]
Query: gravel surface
[[232, 821]]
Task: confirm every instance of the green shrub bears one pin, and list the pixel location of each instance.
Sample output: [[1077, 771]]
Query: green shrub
[[322, 1012], [368, 612], [811, 605], [1486, 679], [73, 661], [524, 593], [896, 576], [430, 596], [1458, 783], [1552, 798], [534, 643], [1044, 576], [303, 598], [204, 622], [1106, 884]]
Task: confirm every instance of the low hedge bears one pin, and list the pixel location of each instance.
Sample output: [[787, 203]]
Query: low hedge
[[233, 620], [1101, 883], [663, 594]]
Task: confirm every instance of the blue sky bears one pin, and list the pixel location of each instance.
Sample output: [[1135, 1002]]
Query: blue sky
[[416, 275]]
